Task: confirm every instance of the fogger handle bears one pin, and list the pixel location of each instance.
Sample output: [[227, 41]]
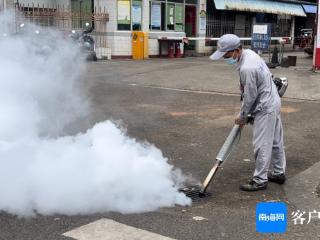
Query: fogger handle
[[228, 143]]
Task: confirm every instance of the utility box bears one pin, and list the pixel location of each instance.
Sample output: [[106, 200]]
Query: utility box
[[140, 48]]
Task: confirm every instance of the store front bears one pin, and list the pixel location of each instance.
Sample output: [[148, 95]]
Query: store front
[[174, 19], [238, 17]]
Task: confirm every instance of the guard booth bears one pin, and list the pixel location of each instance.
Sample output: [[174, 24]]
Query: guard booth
[[140, 49]]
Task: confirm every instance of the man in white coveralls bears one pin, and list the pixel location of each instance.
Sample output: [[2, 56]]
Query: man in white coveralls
[[261, 100]]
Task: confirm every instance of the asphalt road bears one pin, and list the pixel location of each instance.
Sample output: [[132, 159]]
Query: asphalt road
[[189, 120]]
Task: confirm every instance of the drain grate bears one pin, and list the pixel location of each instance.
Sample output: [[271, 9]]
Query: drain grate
[[193, 192]]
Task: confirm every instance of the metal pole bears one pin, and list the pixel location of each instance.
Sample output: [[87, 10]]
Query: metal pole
[[316, 52]]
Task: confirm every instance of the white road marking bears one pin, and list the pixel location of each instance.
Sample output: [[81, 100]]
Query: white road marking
[[220, 92], [106, 229], [199, 218]]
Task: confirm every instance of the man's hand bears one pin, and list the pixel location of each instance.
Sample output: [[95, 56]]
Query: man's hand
[[239, 121]]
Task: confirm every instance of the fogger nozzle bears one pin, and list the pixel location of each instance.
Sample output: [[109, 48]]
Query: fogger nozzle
[[222, 155], [229, 143]]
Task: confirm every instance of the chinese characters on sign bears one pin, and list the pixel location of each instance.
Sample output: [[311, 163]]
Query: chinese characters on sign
[[299, 217], [271, 217], [203, 21], [261, 36]]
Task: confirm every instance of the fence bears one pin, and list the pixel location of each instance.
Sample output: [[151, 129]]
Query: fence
[[240, 23], [65, 19]]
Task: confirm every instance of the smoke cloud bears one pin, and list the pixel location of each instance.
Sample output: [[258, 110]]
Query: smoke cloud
[[42, 170]]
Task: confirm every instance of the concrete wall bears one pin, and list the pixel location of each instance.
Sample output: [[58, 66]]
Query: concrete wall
[[119, 42]]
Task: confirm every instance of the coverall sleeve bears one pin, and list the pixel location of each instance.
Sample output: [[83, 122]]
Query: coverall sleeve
[[250, 91]]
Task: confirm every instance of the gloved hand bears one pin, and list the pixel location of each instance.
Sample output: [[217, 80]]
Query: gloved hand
[[239, 121]]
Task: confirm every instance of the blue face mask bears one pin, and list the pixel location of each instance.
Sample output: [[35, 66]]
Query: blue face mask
[[231, 61]]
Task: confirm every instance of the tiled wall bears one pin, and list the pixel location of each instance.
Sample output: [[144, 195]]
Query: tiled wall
[[121, 45]]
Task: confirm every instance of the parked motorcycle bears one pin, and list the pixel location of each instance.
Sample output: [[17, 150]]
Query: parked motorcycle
[[310, 48], [86, 42]]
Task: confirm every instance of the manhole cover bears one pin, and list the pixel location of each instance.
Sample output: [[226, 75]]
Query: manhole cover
[[193, 192]]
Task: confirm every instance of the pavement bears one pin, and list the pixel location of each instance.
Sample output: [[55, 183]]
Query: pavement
[[186, 107]]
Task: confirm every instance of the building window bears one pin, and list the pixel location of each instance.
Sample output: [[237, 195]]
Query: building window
[[170, 16], [157, 15], [129, 15], [192, 2], [167, 16], [81, 13], [136, 15], [124, 19], [179, 18]]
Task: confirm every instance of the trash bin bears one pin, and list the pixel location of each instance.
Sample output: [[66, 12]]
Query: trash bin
[[292, 60], [285, 62]]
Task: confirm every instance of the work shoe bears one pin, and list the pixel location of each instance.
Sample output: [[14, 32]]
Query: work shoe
[[253, 186], [277, 178]]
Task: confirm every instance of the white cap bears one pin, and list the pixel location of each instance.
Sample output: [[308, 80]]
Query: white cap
[[226, 43]]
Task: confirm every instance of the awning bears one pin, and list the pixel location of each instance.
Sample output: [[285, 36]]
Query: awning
[[310, 8], [264, 6]]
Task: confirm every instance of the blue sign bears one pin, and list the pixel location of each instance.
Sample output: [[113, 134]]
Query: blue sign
[[271, 217], [261, 36]]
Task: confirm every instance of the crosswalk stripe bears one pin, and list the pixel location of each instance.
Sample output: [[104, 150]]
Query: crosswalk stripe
[[107, 229]]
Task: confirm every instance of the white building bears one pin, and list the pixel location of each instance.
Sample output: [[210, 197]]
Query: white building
[[177, 19], [157, 18], [203, 19]]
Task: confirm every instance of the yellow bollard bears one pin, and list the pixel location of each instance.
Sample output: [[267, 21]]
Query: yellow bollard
[[140, 49]]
